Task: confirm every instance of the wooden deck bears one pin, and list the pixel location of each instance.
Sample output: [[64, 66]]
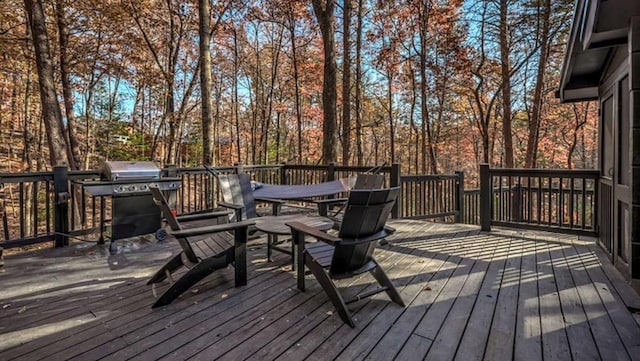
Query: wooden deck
[[470, 295]]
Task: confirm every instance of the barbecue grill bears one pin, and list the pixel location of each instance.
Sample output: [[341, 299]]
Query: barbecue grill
[[133, 211]]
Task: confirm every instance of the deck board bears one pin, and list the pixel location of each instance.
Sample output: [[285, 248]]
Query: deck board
[[470, 295], [581, 342], [528, 335]]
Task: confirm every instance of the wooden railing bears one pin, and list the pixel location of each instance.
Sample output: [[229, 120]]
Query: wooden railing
[[433, 196], [554, 200], [471, 206], [53, 206]]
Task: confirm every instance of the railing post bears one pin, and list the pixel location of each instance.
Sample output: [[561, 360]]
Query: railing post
[[5, 221], [460, 197], [331, 172], [239, 169], [283, 174], [394, 181], [485, 197], [61, 209], [171, 171]]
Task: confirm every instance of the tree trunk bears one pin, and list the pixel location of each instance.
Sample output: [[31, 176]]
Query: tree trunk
[[413, 129], [346, 83], [324, 14], [392, 131], [51, 113], [534, 122], [63, 36], [296, 82], [427, 136], [579, 122], [267, 109], [505, 70], [204, 13], [358, 129], [236, 111]]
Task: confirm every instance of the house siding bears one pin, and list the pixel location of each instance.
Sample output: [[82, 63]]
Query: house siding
[[634, 74]]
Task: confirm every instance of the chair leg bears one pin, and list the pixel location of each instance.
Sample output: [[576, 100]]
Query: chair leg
[[384, 281], [238, 255], [330, 289], [271, 239], [297, 240], [173, 264], [193, 276]]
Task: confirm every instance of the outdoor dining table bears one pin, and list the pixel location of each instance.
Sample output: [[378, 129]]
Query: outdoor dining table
[[275, 226]]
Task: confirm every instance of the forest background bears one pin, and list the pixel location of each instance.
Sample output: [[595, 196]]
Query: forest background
[[435, 85]]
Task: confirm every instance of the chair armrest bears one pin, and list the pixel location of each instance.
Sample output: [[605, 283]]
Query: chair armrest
[[225, 227], [230, 205], [374, 237], [201, 216], [313, 232], [237, 209]]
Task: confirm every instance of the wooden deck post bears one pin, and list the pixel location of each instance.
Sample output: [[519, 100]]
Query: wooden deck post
[[61, 208], [331, 172], [460, 197], [394, 181], [284, 176], [171, 170], [485, 197]]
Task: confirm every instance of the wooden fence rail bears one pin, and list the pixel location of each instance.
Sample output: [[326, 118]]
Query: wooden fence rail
[[555, 200], [53, 206]]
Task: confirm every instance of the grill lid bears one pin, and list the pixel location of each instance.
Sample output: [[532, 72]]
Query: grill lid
[[123, 170]]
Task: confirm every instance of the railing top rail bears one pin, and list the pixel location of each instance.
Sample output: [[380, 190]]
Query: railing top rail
[[410, 178], [263, 166], [337, 168], [196, 170], [83, 174], [26, 177], [563, 173]]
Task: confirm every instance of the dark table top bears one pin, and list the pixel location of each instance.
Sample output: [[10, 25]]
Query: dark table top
[[276, 224]]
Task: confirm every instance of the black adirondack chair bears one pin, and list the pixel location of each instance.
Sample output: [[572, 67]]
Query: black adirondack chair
[[363, 181], [238, 195], [350, 253], [201, 255]]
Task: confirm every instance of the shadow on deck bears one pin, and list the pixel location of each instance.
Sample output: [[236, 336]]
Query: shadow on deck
[[470, 295]]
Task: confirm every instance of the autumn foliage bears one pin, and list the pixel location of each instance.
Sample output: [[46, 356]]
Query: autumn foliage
[[425, 89]]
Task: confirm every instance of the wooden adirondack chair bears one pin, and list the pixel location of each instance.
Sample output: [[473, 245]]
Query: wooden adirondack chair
[[205, 255], [350, 253], [238, 195]]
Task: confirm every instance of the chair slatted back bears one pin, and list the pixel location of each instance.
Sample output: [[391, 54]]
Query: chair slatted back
[[369, 181], [236, 189], [172, 221], [366, 214]]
